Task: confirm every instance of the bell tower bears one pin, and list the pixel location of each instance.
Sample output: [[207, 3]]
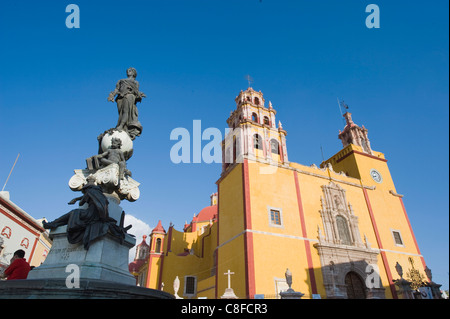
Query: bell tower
[[253, 132], [353, 134], [157, 239]]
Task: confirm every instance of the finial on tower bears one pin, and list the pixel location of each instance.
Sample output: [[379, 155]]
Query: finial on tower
[[249, 80]]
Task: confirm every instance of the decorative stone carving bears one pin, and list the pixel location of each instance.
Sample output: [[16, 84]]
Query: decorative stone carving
[[340, 247], [108, 178], [353, 134], [339, 221]]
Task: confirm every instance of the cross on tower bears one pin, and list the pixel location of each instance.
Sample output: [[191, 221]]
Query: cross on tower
[[249, 80], [229, 277]]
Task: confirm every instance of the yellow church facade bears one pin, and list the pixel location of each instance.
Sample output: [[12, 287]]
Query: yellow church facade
[[340, 228]]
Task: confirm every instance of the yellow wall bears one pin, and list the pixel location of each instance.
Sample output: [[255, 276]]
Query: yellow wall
[[198, 264], [231, 238]]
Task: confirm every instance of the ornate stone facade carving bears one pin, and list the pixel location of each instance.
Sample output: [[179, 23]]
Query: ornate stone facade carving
[[339, 221], [108, 178], [341, 249]]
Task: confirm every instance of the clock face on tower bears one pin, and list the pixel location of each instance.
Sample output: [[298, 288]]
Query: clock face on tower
[[376, 176]]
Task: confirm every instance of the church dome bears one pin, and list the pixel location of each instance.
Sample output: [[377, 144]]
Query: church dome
[[206, 214]]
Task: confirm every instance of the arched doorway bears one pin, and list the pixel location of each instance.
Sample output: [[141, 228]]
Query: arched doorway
[[355, 286]]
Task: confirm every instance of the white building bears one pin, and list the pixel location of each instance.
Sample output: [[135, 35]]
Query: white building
[[19, 230]]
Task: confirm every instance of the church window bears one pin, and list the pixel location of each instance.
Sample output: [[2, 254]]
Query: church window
[[158, 245], [344, 233], [256, 101], [397, 238], [274, 147], [190, 285], [257, 142], [255, 117], [355, 286], [266, 120]]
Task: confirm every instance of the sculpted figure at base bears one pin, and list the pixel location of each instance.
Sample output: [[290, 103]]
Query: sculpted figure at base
[[128, 94], [113, 155], [87, 224]]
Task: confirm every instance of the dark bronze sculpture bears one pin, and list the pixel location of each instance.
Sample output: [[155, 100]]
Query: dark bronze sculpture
[[87, 224], [113, 155], [128, 94]]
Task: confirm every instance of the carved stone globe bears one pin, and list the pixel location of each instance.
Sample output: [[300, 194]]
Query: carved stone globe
[[127, 143]]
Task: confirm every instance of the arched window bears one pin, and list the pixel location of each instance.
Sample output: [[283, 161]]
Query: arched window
[[257, 142], [274, 146], [355, 286], [255, 117], [344, 233], [266, 120], [256, 101], [158, 245]]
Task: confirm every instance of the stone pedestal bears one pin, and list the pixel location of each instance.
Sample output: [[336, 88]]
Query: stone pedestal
[[291, 294], [229, 294], [106, 259], [88, 289]]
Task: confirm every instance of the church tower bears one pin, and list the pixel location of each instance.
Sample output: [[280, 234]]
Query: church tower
[[387, 214], [156, 256], [353, 134], [254, 133]]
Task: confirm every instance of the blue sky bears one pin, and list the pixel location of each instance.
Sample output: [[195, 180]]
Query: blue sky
[[192, 58]]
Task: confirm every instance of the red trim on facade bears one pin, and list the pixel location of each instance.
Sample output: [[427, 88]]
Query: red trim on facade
[[32, 250], [169, 244], [378, 237], [149, 271], [203, 241], [412, 233], [307, 244], [33, 231], [248, 237], [26, 218]]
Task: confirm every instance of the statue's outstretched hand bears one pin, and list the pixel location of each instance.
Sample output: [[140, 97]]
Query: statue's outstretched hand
[[73, 201], [111, 97]]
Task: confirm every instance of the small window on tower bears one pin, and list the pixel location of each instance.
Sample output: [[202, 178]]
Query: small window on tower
[[266, 120], [256, 101], [397, 238], [255, 117]]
